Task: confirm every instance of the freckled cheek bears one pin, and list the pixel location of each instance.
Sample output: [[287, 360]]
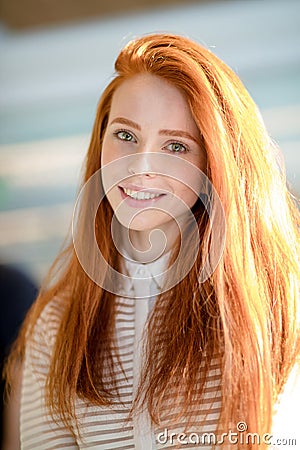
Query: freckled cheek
[[108, 153], [114, 198], [191, 198], [186, 194]]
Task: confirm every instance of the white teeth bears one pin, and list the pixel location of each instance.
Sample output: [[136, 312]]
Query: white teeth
[[140, 195]]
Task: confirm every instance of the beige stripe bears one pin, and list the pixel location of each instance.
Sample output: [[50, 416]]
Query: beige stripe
[[65, 440], [109, 441], [98, 432], [122, 346], [124, 328], [103, 411]]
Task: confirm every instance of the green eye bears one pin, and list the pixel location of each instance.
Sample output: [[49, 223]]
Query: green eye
[[176, 147], [124, 136]]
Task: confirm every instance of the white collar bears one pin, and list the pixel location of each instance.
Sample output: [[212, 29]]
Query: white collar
[[147, 273]]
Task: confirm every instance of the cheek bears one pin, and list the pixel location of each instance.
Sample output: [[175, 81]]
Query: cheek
[[186, 193], [108, 151], [190, 198], [105, 156], [107, 173], [113, 199]]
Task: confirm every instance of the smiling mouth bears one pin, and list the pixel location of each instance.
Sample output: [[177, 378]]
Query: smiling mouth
[[141, 195]]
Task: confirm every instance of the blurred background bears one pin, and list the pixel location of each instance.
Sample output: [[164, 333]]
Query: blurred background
[[56, 56]]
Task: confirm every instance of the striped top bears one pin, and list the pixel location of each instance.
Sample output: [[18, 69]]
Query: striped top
[[106, 428]]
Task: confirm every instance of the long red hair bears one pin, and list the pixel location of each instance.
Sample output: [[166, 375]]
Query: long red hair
[[245, 314]]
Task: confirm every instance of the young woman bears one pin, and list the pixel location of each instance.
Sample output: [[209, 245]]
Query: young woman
[[172, 321]]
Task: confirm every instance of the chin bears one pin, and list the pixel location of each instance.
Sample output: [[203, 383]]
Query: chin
[[141, 226], [149, 221]]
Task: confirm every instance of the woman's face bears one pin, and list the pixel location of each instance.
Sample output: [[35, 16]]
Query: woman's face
[[149, 119]]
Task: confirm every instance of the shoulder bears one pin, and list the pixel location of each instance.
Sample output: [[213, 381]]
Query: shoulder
[[50, 316], [49, 320], [40, 342], [39, 429]]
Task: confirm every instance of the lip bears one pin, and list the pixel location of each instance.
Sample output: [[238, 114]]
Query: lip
[[140, 203], [134, 187]]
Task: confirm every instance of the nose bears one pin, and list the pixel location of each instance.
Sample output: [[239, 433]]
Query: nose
[[142, 164]]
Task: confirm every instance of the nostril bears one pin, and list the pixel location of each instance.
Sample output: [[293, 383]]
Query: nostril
[[131, 170], [141, 164]]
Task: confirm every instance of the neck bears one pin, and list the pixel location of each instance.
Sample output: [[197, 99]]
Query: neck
[[147, 245]]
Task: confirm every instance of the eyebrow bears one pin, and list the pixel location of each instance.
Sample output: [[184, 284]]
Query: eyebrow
[[179, 133], [165, 132], [128, 122]]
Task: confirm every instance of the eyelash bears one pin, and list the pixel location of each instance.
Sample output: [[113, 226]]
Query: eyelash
[[184, 147], [116, 133]]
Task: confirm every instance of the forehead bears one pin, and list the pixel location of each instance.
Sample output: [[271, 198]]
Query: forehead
[[148, 98]]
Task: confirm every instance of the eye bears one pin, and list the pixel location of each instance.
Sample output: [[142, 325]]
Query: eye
[[177, 147], [124, 135]]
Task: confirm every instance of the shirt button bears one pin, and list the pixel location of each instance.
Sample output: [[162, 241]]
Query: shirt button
[[142, 271]]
